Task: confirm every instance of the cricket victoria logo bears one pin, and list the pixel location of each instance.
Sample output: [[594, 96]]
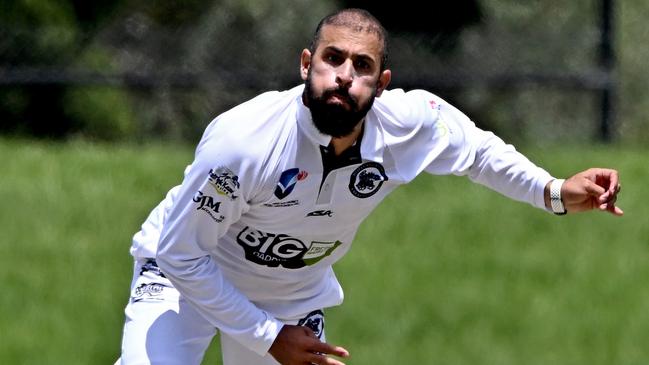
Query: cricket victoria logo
[[367, 179], [273, 250], [287, 182]]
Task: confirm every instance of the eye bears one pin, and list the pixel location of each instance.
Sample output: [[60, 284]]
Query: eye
[[362, 65], [333, 59]]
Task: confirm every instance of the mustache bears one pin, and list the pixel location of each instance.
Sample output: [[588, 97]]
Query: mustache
[[342, 93]]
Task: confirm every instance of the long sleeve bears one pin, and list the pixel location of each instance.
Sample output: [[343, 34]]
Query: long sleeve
[[426, 133], [211, 198], [459, 147]]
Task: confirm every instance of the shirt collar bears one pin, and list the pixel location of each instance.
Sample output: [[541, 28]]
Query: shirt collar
[[372, 144]]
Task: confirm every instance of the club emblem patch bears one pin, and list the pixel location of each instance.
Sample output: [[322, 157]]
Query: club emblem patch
[[367, 179], [314, 321]]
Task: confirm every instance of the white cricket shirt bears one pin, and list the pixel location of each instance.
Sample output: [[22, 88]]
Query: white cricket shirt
[[262, 214]]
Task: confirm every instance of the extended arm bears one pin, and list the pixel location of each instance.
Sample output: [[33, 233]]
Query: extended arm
[[486, 159]]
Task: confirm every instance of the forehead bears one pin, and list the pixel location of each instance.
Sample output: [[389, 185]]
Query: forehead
[[355, 40]]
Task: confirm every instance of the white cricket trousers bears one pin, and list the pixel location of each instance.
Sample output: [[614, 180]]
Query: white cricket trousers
[[161, 328]]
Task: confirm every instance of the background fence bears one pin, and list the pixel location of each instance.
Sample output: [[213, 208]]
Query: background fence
[[541, 71]]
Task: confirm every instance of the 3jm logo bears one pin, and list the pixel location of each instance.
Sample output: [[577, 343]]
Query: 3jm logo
[[207, 202]]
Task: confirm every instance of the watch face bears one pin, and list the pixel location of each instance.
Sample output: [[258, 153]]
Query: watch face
[[555, 197]]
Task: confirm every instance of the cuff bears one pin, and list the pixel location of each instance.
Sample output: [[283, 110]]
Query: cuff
[[539, 192], [265, 335]]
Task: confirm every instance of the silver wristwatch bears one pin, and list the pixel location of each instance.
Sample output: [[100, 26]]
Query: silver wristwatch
[[555, 197]]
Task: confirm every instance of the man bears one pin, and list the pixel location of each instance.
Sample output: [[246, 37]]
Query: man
[[277, 190]]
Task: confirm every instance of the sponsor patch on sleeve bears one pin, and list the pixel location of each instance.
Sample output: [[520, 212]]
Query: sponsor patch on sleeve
[[225, 182], [209, 205]]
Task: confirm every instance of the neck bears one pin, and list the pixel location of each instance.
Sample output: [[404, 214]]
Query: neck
[[340, 144]]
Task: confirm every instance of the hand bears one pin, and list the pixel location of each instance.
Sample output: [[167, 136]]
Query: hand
[[298, 345], [592, 189]]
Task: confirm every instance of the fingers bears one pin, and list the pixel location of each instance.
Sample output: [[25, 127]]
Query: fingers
[[610, 206], [613, 180], [610, 180], [617, 211], [595, 188], [321, 359], [325, 348], [607, 178], [299, 345], [320, 350]]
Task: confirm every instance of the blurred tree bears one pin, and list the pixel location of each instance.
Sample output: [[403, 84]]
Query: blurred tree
[[426, 41], [46, 34], [229, 50], [440, 22], [209, 42], [34, 33], [549, 37], [171, 65]]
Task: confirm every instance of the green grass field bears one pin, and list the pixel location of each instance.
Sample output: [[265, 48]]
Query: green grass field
[[444, 272]]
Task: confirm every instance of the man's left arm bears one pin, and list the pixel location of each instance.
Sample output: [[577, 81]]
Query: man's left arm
[[502, 168], [488, 160]]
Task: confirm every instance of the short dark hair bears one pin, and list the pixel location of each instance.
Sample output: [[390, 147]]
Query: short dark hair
[[357, 19]]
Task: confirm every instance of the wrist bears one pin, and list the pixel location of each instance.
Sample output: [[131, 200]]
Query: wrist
[[553, 197]]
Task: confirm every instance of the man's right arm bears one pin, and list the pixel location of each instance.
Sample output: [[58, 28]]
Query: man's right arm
[[201, 214]]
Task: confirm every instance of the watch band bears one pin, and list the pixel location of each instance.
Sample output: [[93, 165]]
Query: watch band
[[555, 197]]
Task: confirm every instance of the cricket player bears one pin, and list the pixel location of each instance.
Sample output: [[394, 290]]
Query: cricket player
[[277, 190]]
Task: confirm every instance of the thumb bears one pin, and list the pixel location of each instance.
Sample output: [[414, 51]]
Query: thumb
[[592, 188]]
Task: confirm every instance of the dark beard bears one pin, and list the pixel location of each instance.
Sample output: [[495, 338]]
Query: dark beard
[[333, 119]]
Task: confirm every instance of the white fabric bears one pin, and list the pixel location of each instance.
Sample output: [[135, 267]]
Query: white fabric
[[163, 329], [160, 328], [245, 248]]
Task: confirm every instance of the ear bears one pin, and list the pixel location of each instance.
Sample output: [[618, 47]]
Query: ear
[[384, 81], [305, 63]]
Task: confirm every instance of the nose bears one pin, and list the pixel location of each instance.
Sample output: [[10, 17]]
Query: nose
[[345, 74]]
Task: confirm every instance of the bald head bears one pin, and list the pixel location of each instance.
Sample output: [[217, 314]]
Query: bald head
[[358, 21]]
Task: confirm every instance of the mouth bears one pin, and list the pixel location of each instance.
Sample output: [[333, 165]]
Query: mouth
[[340, 99]]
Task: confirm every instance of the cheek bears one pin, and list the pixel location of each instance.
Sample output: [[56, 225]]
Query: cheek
[[322, 71], [363, 89], [322, 79]]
